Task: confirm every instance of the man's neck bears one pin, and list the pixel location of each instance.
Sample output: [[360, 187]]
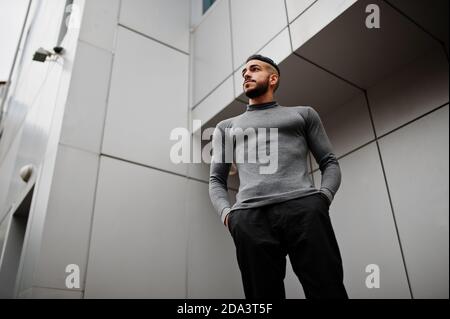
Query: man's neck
[[266, 98]]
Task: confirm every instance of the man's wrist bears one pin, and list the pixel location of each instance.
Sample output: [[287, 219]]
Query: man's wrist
[[327, 195], [224, 214]]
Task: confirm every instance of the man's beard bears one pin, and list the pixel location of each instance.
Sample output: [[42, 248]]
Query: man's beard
[[258, 90]]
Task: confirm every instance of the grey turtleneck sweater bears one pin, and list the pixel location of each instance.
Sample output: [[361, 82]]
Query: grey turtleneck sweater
[[287, 134]]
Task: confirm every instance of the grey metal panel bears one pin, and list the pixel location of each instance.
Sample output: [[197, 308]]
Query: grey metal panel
[[314, 81], [416, 161], [359, 54], [410, 92], [48, 293], [365, 229], [431, 15], [348, 126], [10, 256]]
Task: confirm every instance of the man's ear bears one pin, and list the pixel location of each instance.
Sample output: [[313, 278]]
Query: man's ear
[[273, 79]]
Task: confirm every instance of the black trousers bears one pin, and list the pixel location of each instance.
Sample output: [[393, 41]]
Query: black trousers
[[300, 228]]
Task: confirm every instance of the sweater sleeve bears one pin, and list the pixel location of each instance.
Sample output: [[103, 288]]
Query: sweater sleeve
[[218, 175], [320, 146]]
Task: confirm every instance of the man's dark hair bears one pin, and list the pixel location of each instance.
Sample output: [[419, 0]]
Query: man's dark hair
[[269, 61], [264, 59]]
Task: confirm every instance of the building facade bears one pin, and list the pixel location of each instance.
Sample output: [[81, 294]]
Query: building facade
[[91, 204]]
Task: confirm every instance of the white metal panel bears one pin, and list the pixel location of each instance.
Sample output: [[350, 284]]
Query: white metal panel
[[99, 23], [316, 18], [148, 99], [7, 175], [292, 285], [213, 271], [296, 7], [138, 244], [215, 102], [212, 54], [277, 49], [12, 17], [84, 115], [163, 20], [65, 238], [31, 79], [42, 130], [35, 131], [254, 24], [238, 86]]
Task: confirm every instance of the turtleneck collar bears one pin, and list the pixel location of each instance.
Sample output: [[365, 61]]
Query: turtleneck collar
[[262, 106]]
